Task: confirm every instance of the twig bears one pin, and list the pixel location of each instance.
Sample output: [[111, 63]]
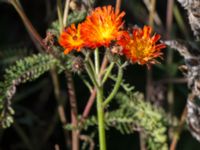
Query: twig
[[152, 12], [172, 80], [60, 14], [169, 18], [89, 104], [179, 129], [156, 16], [66, 10], [170, 91], [142, 141], [149, 72], [89, 140], [74, 111], [71, 90]]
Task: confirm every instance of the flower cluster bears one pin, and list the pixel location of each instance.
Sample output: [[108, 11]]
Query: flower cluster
[[104, 26]]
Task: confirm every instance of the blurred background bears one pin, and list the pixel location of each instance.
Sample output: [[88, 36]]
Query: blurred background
[[36, 125]]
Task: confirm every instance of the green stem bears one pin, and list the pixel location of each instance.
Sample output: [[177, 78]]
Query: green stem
[[100, 108], [108, 71], [86, 83], [100, 115], [91, 74], [91, 64], [88, 59], [116, 87], [96, 58]]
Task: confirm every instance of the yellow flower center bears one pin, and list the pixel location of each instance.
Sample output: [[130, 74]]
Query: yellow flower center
[[141, 49]]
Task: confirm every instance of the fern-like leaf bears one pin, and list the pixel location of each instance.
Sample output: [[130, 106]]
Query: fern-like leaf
[[24, 70], [134, 114]]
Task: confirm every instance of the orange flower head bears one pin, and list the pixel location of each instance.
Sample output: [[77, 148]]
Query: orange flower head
[[102, 26], [140, 47], [71, 39]]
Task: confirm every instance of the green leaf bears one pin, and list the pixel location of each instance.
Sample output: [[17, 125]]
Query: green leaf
[[24, 70]]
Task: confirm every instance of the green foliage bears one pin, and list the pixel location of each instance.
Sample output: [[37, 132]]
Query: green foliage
[[24, 70], [74, 17], [150, 119], [54, 28], [134, 114], [126, 86]]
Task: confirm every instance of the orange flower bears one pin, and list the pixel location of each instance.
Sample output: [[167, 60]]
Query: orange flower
[[71, 39], [102, 26], [141, 47]]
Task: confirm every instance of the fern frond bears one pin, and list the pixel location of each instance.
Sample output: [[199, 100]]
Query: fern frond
[[135, 114], [126, 86], [145, 116], [74, 17], [27, 69]]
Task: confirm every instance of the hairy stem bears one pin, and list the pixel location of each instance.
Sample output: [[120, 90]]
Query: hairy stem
[[96, 58], [89, 104], [100, 115], [108, 71], [116, 87], [91, 74], [70, 83], [74, 110], [100, 108]]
